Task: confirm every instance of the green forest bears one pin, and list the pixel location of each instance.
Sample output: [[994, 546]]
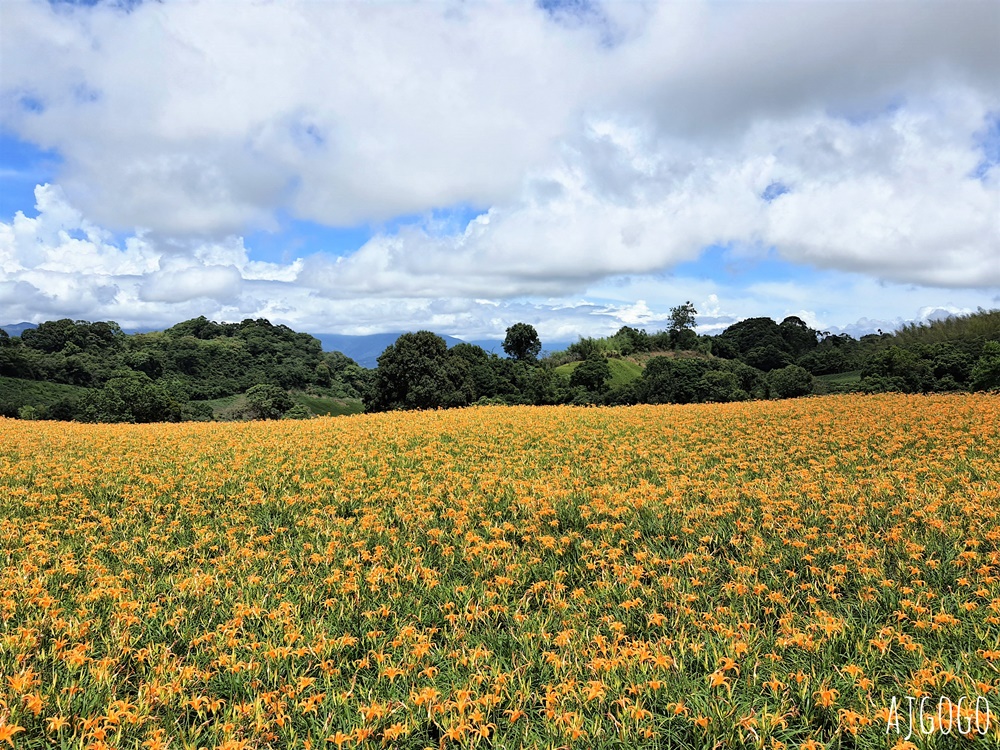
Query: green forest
[[203, 370]]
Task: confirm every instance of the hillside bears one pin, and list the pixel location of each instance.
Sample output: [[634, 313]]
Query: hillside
[[983, 325], [622, 371], [200, 369], [233, 408], [364, 349], [16, 393]]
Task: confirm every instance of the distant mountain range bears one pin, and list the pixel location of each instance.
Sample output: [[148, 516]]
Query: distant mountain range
[[364, 350], [16, 329]]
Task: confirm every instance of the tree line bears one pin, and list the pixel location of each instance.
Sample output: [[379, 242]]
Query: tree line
[[752, 359], [170, 375]]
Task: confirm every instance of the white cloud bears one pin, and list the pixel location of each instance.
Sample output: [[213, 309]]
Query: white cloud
[[50, 267], [894, 196], [188, 117], [60, 239], [611, 146], [706, 70], [221, 283], [201, 119]]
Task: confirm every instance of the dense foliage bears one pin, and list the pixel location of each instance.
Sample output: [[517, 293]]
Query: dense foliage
[[522, 342], [170, 375], [165, 376], [752, 359]]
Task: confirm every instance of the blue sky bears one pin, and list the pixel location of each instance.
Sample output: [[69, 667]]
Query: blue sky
[[579, 165], [23, 165]]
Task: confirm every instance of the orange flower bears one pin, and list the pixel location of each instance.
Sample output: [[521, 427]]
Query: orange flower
[[7, 732]]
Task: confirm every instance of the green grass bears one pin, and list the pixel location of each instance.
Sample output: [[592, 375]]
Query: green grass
[[622, 371], [321, 406], [328, 405], [223, 408], [15, 393], [840, 382]]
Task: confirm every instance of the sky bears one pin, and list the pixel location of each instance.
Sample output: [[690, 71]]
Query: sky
[[461, 166]]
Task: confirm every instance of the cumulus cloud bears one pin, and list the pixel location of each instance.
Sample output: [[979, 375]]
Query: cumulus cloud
[[60, 263], [608, 143], [143, 282], [707, 70], [189, 117], [895, 196], [220, 283], [341, 112]]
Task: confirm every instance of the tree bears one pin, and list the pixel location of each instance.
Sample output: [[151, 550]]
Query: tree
[[752, 333], [412, 374], [27, 412], [790, 382], [797, 335], [767, 358], [896, 369], [679, 381], [347, 377], [470, 370], [723, 348], [522, 342], [12, 361], [631, 340], [683, 317], [298, 411], [536, 385], [63, 410], [201, 328], [585, 348], [130, 397], [682, 323], [592, 375], [722, 386], [267, 401], [986, 373], [752, 381], [952, 365], [55, 335], [833, 354]]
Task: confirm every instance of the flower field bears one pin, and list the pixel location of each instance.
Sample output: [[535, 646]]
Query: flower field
[[768, 574]]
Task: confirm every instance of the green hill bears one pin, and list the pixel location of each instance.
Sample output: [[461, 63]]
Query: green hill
[[622, 371], [231, 407], [841, 382], [15, 393], [980, 326], [328, 406]]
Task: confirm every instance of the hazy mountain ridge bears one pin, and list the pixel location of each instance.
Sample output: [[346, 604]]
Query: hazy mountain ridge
[[363, 349]]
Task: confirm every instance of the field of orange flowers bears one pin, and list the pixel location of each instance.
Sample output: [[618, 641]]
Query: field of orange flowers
[[764, 575]]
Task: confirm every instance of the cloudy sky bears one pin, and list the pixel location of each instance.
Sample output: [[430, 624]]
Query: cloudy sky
[[460, 166]]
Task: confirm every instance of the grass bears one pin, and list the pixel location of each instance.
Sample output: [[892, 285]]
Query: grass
[[641, 358], [15, 393], [622, 371], [328, 406], [227, 407], [840, 382]]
